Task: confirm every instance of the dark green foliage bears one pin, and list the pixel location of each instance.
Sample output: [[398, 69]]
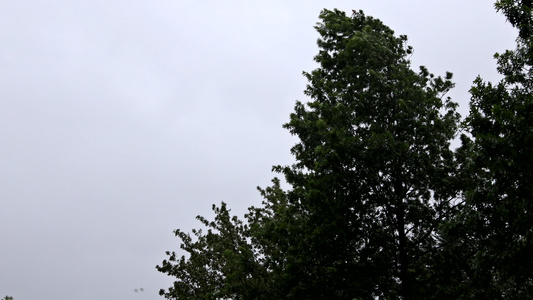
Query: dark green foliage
[[233, 260], [498, 217]]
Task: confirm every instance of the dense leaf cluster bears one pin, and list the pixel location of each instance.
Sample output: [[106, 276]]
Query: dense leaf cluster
[[380, 206]]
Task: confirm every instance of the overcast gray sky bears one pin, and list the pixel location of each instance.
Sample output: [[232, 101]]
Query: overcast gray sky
[[121, 121]]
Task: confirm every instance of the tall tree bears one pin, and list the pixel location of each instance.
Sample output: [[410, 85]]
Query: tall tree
[[498, 217], [372, 183], [374, 167]]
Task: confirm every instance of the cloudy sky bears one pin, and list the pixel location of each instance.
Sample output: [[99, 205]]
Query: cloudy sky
[[121, 120]]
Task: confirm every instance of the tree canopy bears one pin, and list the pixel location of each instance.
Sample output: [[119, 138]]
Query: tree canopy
[[379, 205]]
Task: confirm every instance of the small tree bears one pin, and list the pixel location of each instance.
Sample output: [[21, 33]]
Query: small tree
[[222, 264]]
